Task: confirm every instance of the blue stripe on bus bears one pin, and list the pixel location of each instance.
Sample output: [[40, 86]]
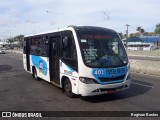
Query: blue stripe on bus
[[109, 73]]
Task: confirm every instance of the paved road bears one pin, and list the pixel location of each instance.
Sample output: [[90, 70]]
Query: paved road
[[18, 91], [145, 58]]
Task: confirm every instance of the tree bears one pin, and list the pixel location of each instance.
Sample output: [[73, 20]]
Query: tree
[[19, 39], [157, 29], [10, 40], [140, 30]]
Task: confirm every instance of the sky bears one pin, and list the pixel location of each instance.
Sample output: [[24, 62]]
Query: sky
[[34, 16]]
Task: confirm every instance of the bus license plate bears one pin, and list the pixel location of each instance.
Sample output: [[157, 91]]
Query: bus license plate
[[111, 91]]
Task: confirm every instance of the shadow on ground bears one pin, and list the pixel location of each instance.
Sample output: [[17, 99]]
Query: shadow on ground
[[5, 68], [133, 91]]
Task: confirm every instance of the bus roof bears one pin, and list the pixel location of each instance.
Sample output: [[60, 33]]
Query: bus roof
[[58, 30], [78, 28], [90, 28]]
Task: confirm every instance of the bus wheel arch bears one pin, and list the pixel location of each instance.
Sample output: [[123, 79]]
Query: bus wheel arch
[[67, 87]]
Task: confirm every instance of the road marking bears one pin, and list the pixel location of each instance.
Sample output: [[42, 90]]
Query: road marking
[[145, 74], [142, 84]]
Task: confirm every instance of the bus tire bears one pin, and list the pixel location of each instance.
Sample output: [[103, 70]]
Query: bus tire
[[35, 74], [68, 88]]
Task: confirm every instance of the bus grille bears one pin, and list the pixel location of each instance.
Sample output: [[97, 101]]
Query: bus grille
[[112, 79]]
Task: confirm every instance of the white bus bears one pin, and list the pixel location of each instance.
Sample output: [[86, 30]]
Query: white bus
[[82, 60]]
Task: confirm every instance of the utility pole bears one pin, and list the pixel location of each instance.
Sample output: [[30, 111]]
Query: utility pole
[[127, 35], [106, 14]]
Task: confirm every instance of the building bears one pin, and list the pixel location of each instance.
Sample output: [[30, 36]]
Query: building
[[152, 39], [144, 43]]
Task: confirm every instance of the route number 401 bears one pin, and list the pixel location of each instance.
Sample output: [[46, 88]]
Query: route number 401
[[99, 72]]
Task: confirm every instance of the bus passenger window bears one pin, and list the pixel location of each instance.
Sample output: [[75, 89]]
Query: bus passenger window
[[54, 48], [66, 47]]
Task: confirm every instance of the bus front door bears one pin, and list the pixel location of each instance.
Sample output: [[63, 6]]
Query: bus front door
[[54, 59], [28, 54]]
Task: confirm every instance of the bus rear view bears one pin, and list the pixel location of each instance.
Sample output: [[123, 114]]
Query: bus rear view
[[104, 65]]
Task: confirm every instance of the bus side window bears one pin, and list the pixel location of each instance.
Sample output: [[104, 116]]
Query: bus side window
[[54, 44], [39, 46], [67, 47], [68, 50]]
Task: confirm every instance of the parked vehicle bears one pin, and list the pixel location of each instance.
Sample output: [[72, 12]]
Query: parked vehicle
[[2, 51]]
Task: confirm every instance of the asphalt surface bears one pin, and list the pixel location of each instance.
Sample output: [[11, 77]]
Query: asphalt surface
[[19, 92]]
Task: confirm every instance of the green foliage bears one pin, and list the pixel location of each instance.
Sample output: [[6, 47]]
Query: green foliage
[[157, 30], [11, 40], [140, 30], [18, 38]]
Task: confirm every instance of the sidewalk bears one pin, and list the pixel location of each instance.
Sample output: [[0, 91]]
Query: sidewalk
[[13, 51], [145, 66]]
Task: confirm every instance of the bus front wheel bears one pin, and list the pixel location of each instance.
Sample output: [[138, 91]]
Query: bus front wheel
[[68, 88]]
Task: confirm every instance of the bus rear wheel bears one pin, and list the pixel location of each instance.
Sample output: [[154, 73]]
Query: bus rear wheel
[[68, 88]]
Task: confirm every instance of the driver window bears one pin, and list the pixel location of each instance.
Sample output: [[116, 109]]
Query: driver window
[[68, 46]]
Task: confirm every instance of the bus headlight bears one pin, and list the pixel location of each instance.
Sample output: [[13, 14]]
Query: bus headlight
[[87, 80], [129, 77]]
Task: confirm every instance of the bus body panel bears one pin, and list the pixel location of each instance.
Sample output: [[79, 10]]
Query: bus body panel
[[42, 66], [97, 89], [72, 75]]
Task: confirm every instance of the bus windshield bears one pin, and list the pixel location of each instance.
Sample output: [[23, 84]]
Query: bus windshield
[[101, 49]]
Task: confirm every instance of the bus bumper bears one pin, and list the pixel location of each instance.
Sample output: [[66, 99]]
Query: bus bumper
[[98, 89]]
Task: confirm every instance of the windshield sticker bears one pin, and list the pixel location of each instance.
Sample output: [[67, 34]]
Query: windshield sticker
[[83, 40], [90, 54]]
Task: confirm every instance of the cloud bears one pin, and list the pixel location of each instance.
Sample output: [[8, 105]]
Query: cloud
[[143, 13]]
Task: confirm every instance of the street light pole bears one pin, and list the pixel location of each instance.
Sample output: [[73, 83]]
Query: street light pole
[[127, 36]]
